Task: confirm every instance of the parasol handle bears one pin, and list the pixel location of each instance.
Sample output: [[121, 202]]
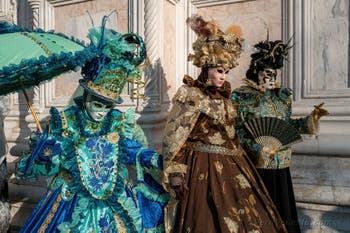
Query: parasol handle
[[31, 107]]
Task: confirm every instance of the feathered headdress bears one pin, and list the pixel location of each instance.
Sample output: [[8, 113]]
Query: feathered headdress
[[118, 62], [214, 47], [270, 54]]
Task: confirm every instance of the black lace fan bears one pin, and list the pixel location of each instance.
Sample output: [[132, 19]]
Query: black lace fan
[[272, 132]]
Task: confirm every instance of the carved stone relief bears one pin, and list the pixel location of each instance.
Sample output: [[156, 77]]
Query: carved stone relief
[[7, 10]]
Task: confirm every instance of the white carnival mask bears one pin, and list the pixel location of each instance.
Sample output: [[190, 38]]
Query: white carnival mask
[[217, 76], [97, 108]]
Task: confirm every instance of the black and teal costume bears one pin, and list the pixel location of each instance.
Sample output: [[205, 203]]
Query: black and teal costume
[[251, 103]]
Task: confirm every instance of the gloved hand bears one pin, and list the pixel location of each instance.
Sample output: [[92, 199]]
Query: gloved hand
[[268, 151], [318, 112], [177, 183]]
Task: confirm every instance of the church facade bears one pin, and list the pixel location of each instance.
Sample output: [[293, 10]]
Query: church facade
[[317, 70]]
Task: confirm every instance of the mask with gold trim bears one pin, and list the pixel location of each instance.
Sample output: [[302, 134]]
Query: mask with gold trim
[[268, 58], [268, 78]]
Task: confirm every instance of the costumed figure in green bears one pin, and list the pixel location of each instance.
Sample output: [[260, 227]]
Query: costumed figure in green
[[87, 150], [265, 126]]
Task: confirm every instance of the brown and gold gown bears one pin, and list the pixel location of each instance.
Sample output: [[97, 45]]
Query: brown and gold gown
[[225, 193]]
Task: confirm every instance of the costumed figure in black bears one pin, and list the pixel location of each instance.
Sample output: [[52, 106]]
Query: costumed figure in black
[[265, 126]]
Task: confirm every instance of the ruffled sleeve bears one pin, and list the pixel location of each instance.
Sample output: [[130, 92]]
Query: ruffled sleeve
[[43, 158], [186, 108], [140, 155], [304, 125]]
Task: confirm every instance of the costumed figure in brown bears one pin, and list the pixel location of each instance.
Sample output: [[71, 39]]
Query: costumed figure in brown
[[217, 188]]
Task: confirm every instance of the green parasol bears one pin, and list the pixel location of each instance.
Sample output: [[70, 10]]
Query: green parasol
[[29, 57]]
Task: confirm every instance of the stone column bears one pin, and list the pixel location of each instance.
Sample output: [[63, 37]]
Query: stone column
[[149, 25], [152, 40], [7, 13], [4, 202], [35, 5], [36, 23]]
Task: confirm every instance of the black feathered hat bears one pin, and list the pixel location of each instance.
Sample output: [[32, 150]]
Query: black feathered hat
[[270, 54]]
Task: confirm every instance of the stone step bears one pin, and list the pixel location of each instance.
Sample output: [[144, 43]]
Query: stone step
[[25, 193], [20, 211], [315, 218], [39, 182], [23, 199]]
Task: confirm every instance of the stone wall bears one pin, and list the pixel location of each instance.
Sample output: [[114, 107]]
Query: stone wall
[[319, 72]]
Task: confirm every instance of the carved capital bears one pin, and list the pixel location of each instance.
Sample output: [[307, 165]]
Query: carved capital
[[34, 4], [174, 1]]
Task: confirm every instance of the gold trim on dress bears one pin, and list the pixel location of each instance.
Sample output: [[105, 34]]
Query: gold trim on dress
[[50, 216], [208, 148]]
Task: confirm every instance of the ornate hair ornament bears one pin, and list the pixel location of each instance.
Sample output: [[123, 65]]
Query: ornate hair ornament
[[214, 47], [120, 60], [267, 55]]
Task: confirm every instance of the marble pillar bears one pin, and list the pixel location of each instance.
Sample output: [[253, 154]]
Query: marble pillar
[[4, 201]]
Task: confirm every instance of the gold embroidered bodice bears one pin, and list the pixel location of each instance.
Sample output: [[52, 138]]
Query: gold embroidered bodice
[[209, 131]]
